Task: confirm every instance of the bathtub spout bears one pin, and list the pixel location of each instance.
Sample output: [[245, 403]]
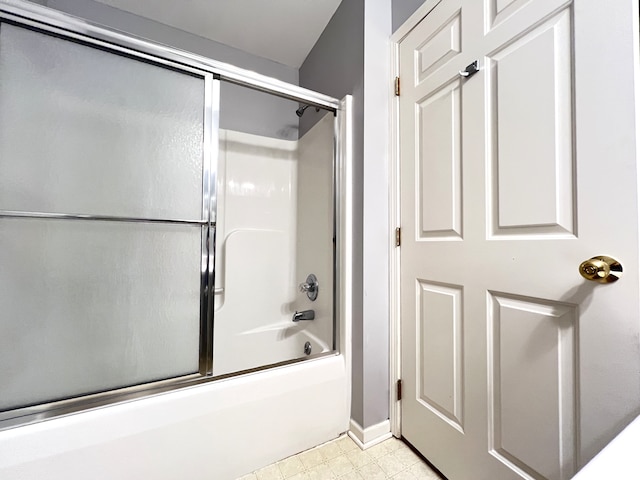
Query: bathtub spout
[[304, 315]]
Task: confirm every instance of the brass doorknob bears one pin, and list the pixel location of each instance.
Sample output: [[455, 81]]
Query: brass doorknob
[[598, 269]]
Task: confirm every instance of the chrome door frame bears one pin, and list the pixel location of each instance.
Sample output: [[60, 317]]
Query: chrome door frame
[[51, 20]]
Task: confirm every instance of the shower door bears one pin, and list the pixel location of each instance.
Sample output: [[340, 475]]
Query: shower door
[[105, 223]]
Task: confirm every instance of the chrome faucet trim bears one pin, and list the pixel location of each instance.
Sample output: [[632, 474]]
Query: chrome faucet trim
[[310, 287], [304, 315]]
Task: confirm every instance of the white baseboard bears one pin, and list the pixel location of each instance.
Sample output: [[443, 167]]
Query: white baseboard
[[370, 436]]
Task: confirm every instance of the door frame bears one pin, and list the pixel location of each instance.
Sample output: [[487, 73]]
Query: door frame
[[395, 364]]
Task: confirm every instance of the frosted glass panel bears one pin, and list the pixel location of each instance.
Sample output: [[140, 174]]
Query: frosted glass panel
[[86, 131], [90, 306]]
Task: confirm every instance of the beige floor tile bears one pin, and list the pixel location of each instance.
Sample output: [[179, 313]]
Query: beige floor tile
[[406, 456], [378, 450], [330, 450], [250, 476], [395, 444], [311, 458], [291, 466], [359, 458], [272, 472], [404, 475], [372, 471], [390, 464], [354, 475], [342, 459], [300, 476], [340, 465], [346, 444], [422, 471], [321, 472]]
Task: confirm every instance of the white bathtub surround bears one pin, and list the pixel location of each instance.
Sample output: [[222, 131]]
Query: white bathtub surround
[[274, 227], [370, 436], [314, 225], [255, 242]]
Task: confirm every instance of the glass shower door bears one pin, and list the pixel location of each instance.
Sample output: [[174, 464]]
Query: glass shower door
[[104, 218]]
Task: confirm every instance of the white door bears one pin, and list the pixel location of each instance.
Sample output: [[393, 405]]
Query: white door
[[514, 366]]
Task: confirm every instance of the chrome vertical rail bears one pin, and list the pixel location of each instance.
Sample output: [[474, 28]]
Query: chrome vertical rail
[[213, 154], [343, 218], [335, 187], [209, 203]]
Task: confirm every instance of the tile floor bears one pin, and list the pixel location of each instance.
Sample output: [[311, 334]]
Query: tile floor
[[342, 459]]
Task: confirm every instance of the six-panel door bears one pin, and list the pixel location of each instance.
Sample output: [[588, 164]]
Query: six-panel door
[[514, 365]]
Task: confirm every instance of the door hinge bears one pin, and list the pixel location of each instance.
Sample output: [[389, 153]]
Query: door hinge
[[396, 87], [399, 390], [398, 236]]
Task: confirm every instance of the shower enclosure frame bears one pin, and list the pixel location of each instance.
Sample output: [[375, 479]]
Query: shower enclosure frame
[[48, 21]]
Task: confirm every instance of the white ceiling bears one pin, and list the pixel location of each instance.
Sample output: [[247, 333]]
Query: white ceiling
[[284, 31]]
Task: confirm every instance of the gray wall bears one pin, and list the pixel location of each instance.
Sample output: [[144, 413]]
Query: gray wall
[[401, 10], [335, 66], [352, 56], [376, 228], [241, 109]]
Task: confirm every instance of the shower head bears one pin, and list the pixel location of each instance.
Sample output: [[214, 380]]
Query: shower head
[[301, 110]]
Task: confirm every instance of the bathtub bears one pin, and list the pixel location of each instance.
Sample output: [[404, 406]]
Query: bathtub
[[220, 431]]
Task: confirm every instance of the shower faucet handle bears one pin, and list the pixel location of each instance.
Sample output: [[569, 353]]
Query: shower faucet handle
[[304, 315], [310, 287]]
